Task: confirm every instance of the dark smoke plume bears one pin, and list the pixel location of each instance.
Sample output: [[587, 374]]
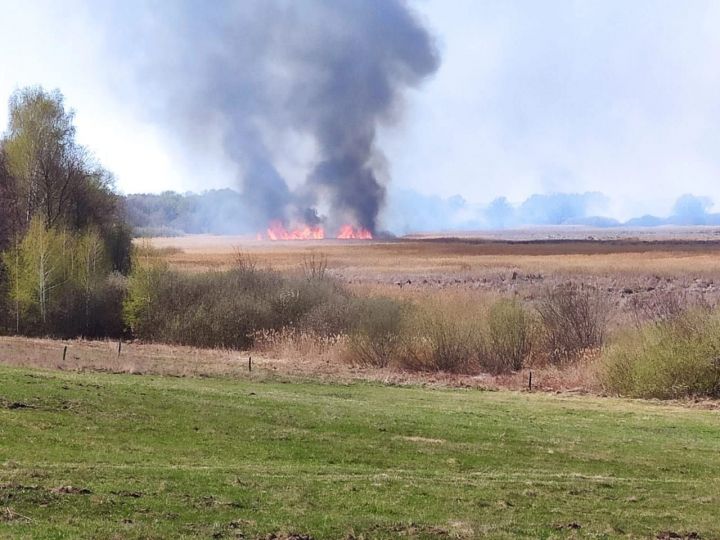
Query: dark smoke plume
[[250, 72]]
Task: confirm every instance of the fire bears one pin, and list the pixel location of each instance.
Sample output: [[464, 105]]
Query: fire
[[349, 232], [278, 231]]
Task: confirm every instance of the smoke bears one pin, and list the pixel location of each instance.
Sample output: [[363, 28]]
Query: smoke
[[409, 212], [252, 75]]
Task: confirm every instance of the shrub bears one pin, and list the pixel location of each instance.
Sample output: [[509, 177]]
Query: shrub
[[228, 308], [663, 305], [574, 319], [375, 336], [509, 338], [442, 336], [93, 312], [669, 359]]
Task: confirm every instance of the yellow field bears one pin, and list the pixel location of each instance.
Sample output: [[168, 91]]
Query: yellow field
[[362, 260]]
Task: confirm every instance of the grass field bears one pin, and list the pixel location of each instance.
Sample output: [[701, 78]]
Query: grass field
[[371, 260], [123, 456]]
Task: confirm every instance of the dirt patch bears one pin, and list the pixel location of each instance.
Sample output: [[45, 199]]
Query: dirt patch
[[14, 405], [131, 494], [70, 490], [573, 526]]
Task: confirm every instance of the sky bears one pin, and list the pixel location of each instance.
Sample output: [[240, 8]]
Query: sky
[[530, 97]]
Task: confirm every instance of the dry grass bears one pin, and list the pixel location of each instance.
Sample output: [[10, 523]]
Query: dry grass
[[368, 260], [316, 364]]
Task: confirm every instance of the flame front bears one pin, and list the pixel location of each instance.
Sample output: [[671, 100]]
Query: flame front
[[348, 232], [278, 231]]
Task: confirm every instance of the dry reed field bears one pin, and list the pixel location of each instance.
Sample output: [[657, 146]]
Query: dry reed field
[[622, 266], [452, 255]]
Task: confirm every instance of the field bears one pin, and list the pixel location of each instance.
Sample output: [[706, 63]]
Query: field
[[87, 455], [634, 268], [675, 261], [169, 441]]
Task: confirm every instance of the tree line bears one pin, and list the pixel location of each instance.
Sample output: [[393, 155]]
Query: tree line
[[63, 231]]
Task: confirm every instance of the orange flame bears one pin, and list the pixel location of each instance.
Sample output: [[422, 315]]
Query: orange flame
[[277, 231], [348, 232]]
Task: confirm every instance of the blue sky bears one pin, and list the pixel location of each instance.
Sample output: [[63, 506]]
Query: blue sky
[[531, 97]]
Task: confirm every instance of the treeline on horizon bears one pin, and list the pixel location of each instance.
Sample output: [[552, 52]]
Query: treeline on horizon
[[223, 211]]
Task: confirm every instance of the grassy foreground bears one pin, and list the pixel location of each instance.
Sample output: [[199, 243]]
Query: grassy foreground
[[122, 456]]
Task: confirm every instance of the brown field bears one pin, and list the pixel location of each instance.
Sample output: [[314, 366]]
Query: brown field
[[630, 268], [453, 255]]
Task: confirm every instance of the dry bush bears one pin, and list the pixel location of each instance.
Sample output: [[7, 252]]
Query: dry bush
[[244, 261], [509, 337], [315, 266], [291, 342], [444, 334], [222, 309], [661, 306], [574, 319], [468, 335], [438, 342], [376, 336]]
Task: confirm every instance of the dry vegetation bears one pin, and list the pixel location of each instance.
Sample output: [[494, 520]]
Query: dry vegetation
[[311, 362], [469, 313], [496, 307]]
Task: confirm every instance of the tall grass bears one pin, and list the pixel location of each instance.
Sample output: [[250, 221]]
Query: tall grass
[[443, 336], [456, 334], [673, 358], [375, 332], [511, 337]]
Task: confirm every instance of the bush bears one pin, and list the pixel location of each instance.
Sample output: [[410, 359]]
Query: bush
[[228, 308], [509, 338], [444, 336], [574, 319], [375, 336], [90, 313], [670, 359], [467, 336]]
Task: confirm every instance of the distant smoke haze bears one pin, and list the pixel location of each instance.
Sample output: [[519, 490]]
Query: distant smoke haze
[[255, 74], [410, 212]]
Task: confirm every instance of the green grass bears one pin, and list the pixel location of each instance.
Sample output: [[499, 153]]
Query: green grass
[[172, 458]]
